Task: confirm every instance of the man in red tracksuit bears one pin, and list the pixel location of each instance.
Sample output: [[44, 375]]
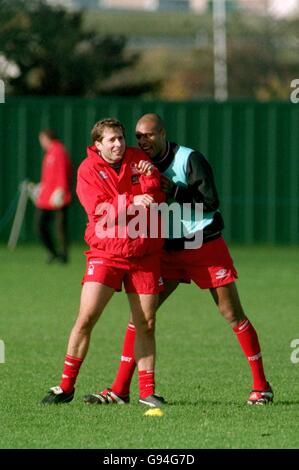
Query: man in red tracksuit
[[54, 196], [113, 183]]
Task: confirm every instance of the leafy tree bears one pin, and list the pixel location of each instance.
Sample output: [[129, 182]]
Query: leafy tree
[[261, 58], [56, 56]]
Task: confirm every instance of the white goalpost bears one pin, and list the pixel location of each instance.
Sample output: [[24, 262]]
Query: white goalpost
[[19, 216]]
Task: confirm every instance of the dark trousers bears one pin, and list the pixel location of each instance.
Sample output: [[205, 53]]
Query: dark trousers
[[44, 225]]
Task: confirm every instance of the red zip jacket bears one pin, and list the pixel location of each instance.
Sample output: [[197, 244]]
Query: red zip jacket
[[56, 175], [99, 184]]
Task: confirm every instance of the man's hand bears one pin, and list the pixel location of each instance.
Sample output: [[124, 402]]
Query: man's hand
[[33, 191], [57, 198], [143, 200], [144, 167], [166, 184]]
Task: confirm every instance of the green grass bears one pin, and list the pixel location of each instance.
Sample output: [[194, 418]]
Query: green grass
[[200, 368]]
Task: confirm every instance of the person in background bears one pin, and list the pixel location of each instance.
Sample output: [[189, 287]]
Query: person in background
[[52, 197]]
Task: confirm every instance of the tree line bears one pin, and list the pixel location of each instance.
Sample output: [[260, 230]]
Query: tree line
[[47, 50]]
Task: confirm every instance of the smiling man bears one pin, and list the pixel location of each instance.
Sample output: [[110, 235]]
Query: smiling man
[[113, 172]]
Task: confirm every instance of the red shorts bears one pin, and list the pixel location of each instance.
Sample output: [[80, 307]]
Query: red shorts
[[139, 275], [208, 266]]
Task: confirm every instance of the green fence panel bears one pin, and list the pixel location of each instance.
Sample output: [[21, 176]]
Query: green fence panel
[[253, 148]]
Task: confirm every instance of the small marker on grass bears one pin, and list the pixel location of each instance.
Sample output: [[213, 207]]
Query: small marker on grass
[[154, 412]]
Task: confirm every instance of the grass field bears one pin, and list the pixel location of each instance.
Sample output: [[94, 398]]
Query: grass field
[[200, 369]]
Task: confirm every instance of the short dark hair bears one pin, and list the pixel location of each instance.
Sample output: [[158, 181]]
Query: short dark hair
[[49, 133], [98, 129]]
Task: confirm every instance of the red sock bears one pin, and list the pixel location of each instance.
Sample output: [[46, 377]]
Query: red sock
[[122, 381], [146, 383], [249, 343], [70, 372]]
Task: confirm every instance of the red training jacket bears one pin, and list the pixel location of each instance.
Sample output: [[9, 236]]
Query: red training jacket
[[56, 175], [99, 184]]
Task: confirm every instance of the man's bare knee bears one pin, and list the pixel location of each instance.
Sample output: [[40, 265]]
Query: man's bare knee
[[231, 315], [85, 323], [146, 327]]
